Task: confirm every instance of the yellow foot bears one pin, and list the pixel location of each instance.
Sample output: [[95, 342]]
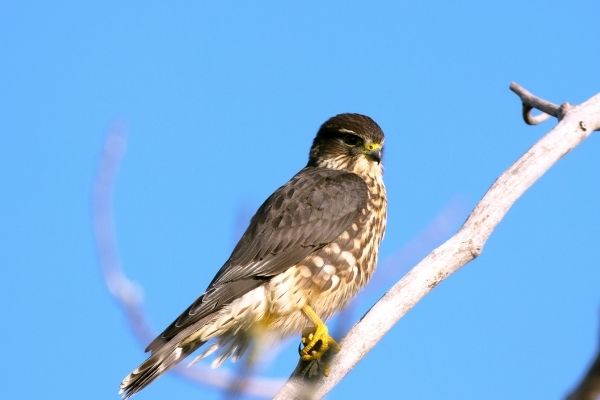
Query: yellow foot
[[316, 342]]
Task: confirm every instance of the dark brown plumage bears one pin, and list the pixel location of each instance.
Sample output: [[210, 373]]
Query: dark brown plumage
[[310, 247]]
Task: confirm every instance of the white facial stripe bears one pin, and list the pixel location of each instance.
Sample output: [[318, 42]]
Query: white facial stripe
[[344, 130]]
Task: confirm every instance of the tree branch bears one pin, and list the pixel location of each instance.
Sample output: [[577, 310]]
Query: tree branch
[[576, 123], [589, 387]]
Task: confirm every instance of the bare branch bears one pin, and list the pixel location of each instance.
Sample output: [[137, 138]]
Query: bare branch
[[575, 125], [589, 387]]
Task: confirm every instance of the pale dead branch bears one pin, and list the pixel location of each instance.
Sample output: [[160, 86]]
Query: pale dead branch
[[576, 123]]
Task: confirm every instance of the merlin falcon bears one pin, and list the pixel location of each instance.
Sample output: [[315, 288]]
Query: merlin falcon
[[310, 247]]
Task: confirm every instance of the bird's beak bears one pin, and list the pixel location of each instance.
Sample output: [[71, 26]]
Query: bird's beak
[[374, 151]]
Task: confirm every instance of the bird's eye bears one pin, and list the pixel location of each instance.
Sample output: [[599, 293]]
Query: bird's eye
[[352, 140]]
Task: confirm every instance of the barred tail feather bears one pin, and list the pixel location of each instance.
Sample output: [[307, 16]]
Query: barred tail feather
[[151, 369], [227, 329]]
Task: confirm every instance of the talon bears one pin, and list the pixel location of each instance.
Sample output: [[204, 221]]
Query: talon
[[317, 342]]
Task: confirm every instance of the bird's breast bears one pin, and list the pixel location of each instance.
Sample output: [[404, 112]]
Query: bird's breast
[[331, 276]]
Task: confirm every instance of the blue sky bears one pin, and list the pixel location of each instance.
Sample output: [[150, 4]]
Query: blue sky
[[220, 102]]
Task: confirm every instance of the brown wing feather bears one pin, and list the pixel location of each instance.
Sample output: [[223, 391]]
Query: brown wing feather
[[307, 213]]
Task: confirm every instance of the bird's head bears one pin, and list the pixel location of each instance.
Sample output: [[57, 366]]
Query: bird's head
[[352, 142]]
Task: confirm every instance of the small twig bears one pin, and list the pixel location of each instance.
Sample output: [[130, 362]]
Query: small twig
[[575, 125], [530, 102]]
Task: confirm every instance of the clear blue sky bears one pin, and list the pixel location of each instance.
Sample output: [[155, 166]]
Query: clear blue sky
[[220, 101]]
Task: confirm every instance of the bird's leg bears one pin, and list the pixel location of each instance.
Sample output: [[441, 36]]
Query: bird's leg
[[317, 341]]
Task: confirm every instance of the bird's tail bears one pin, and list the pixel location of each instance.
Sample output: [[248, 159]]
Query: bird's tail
[[155, 365]]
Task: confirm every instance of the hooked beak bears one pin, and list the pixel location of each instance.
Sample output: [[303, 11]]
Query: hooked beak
[[374, 151]]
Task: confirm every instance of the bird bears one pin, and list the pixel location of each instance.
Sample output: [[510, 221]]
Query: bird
[[308, 250]]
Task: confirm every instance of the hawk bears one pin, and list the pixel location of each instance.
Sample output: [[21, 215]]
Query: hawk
[[307, 251]]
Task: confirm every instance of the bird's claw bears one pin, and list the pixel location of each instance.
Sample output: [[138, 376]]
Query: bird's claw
[[315, 343]]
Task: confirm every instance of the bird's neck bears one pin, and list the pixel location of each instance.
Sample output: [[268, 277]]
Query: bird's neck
[[366, 169]]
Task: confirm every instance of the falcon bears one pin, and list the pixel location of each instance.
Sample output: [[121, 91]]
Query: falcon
[[310, 247]]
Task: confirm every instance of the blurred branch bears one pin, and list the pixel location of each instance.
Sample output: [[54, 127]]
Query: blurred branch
[[589, 387], [128, 294], [395, 265], [576, 123]]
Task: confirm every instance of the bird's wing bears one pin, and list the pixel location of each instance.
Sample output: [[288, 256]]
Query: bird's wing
[[307, 213], [310, 211]]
